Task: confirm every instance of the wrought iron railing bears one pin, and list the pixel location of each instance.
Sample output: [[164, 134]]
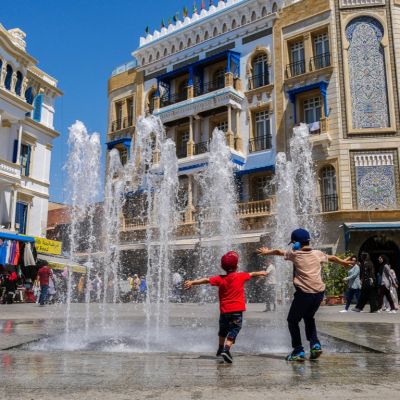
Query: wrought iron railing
[[121, 123], [181, 151], [173, 99], [296, 68], [208, 87], [329, 203], [257, 81], [201, 148], [320, 61], [260, 143]]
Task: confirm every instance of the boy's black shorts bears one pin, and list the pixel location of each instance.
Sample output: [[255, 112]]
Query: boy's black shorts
[[230, 325]]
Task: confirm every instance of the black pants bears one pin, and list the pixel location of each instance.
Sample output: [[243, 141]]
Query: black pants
[[304, 306], [368, 295], [384, 291]]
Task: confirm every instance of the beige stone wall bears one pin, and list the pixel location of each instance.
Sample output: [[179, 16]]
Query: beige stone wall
[[396, 38]]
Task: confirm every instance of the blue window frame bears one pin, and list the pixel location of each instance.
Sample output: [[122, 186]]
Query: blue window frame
[[25, 159], [21, 216]]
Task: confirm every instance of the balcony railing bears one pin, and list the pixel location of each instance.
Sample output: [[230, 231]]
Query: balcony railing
[[208, 87], [201, 148], [320, 61], [121, 123], [260, 143], [254, 208], [181, 151], [296, 68], [257, 81], [173, 99], [329, 203]]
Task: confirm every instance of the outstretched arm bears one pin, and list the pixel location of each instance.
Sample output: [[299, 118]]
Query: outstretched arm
[[189, 284], [338, 260], [257, 274], [264, 251]]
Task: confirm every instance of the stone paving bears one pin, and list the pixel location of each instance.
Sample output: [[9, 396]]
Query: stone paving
[[365, 365]]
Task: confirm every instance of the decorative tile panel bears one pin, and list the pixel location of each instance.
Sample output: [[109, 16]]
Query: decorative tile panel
[[361, 3], [368, 86]]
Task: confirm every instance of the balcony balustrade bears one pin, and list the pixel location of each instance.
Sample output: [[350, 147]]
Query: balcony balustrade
[[329, 203], [320, 61], [201, 148], [121, 123], [260, 143], [315, 63], [258, 81], [173, 99], [209, 87]]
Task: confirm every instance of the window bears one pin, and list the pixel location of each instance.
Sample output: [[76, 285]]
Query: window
[[274, 8], [215, 32], [206, 35], [118, 116], [189, 42], [25, 159], [234, 24], [329, 199], [297, 66], [219, 79], [224, 28], [260, 71], [312, 112], [123, 155], [197, 39], [321, 51], [181, 46], [243, 22], [264, 11], [18, 84], [131, 111], [173, 50], [262, 132], [222, 126], [151, 58], [261, 187], [9, 72], [158, 55], [181, 149], [253, 16], [29, 95], [165, 52], [21, 217]]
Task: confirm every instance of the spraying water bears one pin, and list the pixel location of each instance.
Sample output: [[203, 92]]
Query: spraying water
[[83, 172]]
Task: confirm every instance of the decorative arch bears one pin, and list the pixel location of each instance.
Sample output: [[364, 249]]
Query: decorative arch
[[189, 42], [234, 24], [244, 20], [143, 61], [274, 8], [173, 49], [197, 39], [206, 35], [150, 58], [151, 95], [264, 12], [367, 74], [29, 95], [158, 55], [215, 32], [253, 16], [18, 84], [259, 50], [224, 28], [8, 80], [165, 52], [181, 46]]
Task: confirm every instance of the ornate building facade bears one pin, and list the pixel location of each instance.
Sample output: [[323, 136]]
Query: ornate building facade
[[255, 69], [27, 96]]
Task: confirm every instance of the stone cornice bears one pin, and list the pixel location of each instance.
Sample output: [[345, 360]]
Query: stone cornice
[[45, 80], [42, 128], [15, 100]]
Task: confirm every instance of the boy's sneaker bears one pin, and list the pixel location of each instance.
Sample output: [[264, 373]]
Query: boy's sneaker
[[315, 351], [296, 356], [227, 356], [356, 309], [342, 311], [219, 351]]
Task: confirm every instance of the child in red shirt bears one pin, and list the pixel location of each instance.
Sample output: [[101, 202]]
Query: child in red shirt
[[232, 301]]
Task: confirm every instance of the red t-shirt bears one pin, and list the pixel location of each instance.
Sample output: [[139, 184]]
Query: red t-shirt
[[44, 275], [231, 291]]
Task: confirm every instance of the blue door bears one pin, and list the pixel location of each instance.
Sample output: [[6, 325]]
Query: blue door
[[21, 217]]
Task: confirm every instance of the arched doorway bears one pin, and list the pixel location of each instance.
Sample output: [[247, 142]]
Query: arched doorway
[[379, 244]]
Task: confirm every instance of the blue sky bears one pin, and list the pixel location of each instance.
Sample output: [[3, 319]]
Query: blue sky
[[80, 42]]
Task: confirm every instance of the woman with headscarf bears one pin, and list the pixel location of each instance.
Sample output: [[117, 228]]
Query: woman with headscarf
[[385, 283], [368, 292]]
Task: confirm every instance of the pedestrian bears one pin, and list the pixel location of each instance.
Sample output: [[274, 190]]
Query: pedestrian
[[385, 283], [44, 274], [81, 289], [270, 289], [232, 301], [143, 288], [368, 293], [394, 287], [52, 290], [353, 284], [134, 283], [10, 285], [310, 288]]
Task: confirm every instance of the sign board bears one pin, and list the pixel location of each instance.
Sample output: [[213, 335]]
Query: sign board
[[46, 246]]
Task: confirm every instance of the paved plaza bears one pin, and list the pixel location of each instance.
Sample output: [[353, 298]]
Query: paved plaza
[[361, 360]]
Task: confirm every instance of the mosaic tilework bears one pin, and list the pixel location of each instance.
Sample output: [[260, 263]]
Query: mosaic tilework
[[368, 84], [376, 187]]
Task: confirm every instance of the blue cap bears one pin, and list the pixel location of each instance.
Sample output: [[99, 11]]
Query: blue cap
[[300, 235]]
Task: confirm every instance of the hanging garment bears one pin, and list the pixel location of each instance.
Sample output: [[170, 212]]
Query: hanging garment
[[12, 253], [3, 252], [28, 256], [8, 252], [16, 256]]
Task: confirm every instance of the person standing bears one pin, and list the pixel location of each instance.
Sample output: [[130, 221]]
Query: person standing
[[44, 274], [270, 289], [385, 283], [394, 287], [368, 293], [81, 289], [354, 284]]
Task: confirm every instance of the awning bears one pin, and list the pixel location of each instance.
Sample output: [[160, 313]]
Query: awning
[[367, 227], [59, 263], [20, 238]]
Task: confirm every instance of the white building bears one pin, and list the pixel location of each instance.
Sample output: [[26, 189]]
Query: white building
[[27, 96]]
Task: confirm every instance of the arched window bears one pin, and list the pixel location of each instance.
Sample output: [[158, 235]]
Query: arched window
[[274, 8], [215, 32], [253, 16], [29, 95], [260, 72], [18, 84], [234, 24], [367, 74], [143, 61], [9, 72], [181, 46], [189, 42], [197, 39], [206, 35], [151, 58], [165, 52], [173, 50], [158, 55], [243, 22], [329, 199], [219, 78], [264, 12], [224, 28]]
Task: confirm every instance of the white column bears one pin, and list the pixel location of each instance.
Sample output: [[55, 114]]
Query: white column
[[13, 207], [19, 144]]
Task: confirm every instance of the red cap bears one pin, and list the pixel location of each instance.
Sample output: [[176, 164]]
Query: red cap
[[229, 261]]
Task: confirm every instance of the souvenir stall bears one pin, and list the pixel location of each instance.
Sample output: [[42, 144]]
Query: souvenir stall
[[18, 267]]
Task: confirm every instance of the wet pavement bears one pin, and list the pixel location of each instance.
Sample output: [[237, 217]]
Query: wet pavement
[[361, 359]]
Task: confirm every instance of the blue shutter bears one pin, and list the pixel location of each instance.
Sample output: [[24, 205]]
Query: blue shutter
[[28, 161], [21, 216], [37, 107], [15, 151]]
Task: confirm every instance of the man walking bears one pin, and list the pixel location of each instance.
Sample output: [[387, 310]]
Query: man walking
[[44, 274]]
